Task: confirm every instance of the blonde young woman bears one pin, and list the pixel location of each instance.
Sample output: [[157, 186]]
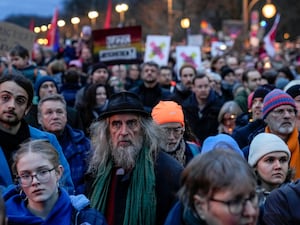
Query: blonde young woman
[[38, 199]]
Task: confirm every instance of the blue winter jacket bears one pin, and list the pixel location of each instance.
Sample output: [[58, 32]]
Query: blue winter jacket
[[76, 147], [6, 177], [68, 210]]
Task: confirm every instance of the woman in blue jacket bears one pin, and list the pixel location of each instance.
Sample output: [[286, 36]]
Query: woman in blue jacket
[[38, 199]]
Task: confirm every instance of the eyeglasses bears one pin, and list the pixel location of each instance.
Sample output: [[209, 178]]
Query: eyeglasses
[[175, 130], [281, 112], [237, 206], [42, 176]]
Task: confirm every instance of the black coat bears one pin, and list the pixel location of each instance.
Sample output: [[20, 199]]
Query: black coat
[[203, 123], [167, 176]]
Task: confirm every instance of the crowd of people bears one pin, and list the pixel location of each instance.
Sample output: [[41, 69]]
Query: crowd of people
[[84, 142]]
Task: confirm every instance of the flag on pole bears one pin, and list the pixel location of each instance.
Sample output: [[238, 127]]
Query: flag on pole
[[108, 15], [31, 25], [53, 33], [269, 39]]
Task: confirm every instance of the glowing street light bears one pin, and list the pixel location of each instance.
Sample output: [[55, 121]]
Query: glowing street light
[[121, 9], [37, 30], [93, 16], [61, 23], [269, 10], [75, 21], [185, 23]]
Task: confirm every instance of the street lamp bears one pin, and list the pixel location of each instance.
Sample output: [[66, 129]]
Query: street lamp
[[93, 16], [75, 21], [268, 10], [61, 23], [185, 24], [122, 8]]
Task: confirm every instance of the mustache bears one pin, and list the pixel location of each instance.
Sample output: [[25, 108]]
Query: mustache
[[10, 112]]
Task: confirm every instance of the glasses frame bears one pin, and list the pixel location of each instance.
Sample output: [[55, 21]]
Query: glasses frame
[[36, 175], [254, 200], [177, 131]]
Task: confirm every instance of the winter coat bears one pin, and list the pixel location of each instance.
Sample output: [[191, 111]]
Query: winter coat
[[6, 177], [203, 123], [73, 210], [76, 148], [282, 205]]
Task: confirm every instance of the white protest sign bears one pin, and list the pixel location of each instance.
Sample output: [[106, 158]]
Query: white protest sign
[[157, 49]]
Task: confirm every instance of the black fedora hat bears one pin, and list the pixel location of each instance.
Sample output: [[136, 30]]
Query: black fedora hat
[[124, 102]]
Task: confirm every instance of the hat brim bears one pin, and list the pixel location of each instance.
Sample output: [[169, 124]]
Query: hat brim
[[104, 115]]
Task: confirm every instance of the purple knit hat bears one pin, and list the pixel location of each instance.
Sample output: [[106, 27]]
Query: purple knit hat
[[275, 99]]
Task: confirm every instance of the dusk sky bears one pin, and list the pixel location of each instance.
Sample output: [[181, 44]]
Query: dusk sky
[[38, 7]]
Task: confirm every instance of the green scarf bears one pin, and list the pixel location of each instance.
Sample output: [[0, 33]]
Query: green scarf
[[141, 197]]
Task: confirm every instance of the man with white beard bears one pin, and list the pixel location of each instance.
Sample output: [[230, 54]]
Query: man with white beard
[[169, 116], [130, 179], [279, 113]]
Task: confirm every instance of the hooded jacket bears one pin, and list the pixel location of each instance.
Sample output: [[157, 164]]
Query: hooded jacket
[[72, 210]]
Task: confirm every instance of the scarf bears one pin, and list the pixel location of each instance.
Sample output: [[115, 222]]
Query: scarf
[[293, 144], [10, 142], [141, 198], [18, 213]]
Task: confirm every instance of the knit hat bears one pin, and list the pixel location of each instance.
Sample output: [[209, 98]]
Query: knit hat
[[40, 81], [167, 112], [293, 88], [220, 140], [124, 102], [265, 143], [260, 92], [275, 99], [225, 70], [97, 66]]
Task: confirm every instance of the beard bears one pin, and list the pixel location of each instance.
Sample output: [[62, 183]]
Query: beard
[[13, 121], [125, 156], [171, 148]]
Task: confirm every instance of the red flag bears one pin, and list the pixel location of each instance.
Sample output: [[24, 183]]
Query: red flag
[[108, 15], [269, 39], [31, 25], [53, 35]]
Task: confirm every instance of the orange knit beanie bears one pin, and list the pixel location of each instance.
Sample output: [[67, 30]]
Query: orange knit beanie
[[167, 112]]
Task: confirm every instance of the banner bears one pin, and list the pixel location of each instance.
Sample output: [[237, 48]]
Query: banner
[[188, 55], [11, 35], [157, 49], [118, 45]]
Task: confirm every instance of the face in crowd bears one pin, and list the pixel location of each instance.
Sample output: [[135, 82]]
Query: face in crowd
[[13, 104], [126, 139]]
